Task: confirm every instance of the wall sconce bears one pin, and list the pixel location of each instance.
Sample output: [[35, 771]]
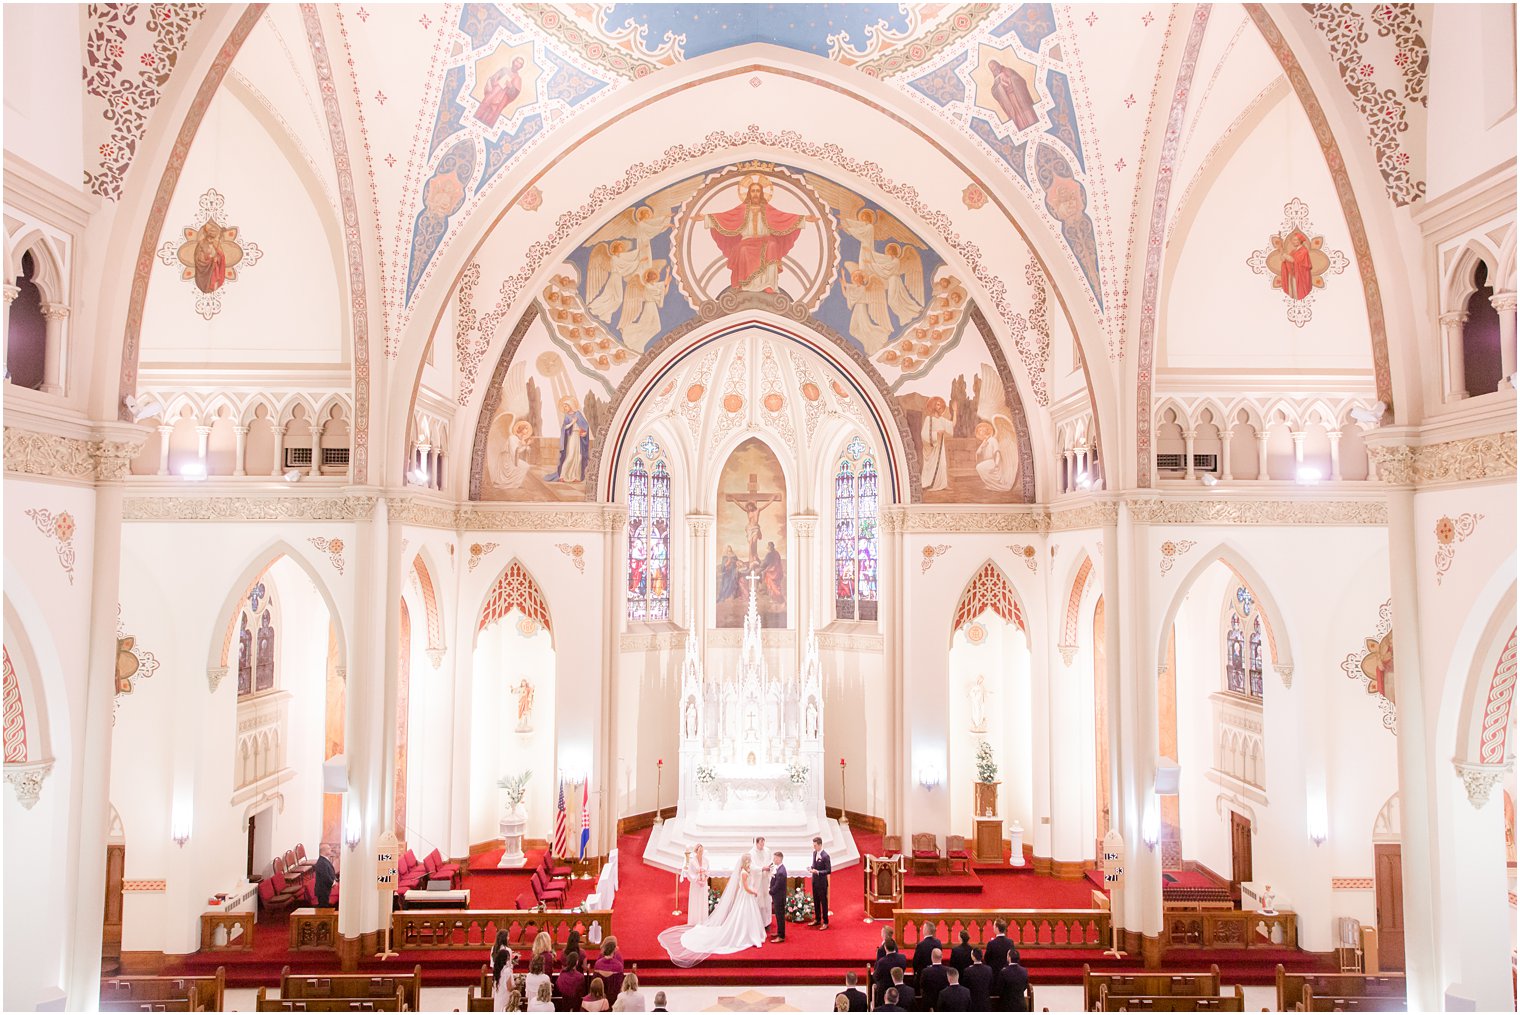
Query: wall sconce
[[179, 825], [352, 830], [1319, 822], [929, 775], [1150, 824]]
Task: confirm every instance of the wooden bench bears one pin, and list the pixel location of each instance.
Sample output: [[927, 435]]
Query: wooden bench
[[352, 986], [1291, 987], [1146, 985], [1353, 1002], [129, 993], [168, 1004], [393, 1002], [1171, 1002]]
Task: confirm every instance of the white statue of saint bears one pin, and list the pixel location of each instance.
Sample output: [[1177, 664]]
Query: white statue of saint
[[690, 729], [524, 706], [978, 695]]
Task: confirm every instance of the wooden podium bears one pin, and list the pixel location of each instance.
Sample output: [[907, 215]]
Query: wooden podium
[[884, 885], [987, 842]]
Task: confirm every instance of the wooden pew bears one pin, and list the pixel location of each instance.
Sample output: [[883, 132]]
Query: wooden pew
[[1353, 1002], [392, 1002], [1146, 985], [129, 993], [352, 986], [168, 1004], [1290, 987], [1171, 1002]]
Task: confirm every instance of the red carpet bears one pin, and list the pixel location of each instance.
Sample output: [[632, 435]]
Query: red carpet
[[647, 895]]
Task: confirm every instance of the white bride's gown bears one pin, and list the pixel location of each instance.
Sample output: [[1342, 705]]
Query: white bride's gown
[[734, 925]]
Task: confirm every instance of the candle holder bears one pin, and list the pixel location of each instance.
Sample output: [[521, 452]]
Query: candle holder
[[659, 780], [844, 814]]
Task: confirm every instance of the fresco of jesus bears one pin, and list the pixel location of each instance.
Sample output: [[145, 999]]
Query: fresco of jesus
[[754, 236]]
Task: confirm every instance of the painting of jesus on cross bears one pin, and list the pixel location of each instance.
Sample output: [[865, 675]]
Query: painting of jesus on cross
[[751, 530]]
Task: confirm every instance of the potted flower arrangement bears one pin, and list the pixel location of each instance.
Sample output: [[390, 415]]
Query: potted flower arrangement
[[799, 906], [986, 781], [514, 823]]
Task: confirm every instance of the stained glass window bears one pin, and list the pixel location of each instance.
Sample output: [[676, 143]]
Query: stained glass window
[[855, 548], [1235, 662], [648, 535], [1254, 670], [1244, 635], [256, 642]]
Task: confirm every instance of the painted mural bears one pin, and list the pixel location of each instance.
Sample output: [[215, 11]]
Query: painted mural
[[753, 227], [751, 528], [208, 253]]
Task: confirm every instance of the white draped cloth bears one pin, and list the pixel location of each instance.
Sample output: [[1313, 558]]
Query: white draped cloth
[[733, 925]]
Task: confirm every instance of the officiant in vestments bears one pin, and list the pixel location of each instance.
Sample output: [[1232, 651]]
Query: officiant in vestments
[[821, 870]]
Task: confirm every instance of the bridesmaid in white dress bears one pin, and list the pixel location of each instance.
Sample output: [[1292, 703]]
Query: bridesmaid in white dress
[[733, 926], [696, 872]]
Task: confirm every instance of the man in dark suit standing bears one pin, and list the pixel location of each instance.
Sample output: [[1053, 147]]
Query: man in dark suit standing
[[820, 870], [960, 955], [933, 979], [905, 993], [890, 1002], [778, 897], [852, 991], [1013, 984], [978, 979], [954, 997], [882, 975], [928, 944], [997, 948]]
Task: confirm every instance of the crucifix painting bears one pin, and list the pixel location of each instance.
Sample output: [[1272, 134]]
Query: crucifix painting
[[751, 529]]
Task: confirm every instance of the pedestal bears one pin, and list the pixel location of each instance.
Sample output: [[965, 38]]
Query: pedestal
[[987, 840], [513, 828], [1016, 844]]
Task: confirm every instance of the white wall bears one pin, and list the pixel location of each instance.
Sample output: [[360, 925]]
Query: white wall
[[1003, 658], [44, 111], [502, 658], [1472, 93]]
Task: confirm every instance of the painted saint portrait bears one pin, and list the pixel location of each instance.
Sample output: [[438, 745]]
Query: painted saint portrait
[[210, 255], [751, 530], [755, 236], [1007, 87], [505, 81], [1297, 263]]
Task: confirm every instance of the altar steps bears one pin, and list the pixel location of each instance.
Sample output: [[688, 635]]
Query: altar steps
[[943, 884]]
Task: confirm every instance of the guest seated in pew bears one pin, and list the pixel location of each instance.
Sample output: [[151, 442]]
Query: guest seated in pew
[[659, 1001], [544, 999], [544, 945], [611, 960], [954, 997], [960, 955], [630, 998], [513, 1001], [537, 975], [998, 947], [596, 1000], [978, 978], [858, 1000], [1012, 984], [890, 1001], [841, 1003], [927, 943], [501, 972], [932, 980], [572, 982], [572, 944]]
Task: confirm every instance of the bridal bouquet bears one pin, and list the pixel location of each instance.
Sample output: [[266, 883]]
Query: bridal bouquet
[[712, 897], [799, 906], [705, 775]]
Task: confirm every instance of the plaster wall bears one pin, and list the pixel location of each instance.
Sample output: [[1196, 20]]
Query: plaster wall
[[44, 105], [1472, 93]]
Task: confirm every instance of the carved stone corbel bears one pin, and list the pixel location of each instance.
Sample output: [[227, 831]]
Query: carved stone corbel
[[1068, 653], [1286, 673], [435, 656], [26, 779], [1480, 780], [214, 677]]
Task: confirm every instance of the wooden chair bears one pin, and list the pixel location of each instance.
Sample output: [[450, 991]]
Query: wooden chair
[[891, 845], [957, 853], [926, 852]]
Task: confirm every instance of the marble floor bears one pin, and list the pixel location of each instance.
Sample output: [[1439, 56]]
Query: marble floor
[[770, 999]]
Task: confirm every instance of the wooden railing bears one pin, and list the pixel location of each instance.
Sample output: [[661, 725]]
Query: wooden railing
[[1218, 928], [475, 929], [1028, 929], [236, 940], [314, 930]]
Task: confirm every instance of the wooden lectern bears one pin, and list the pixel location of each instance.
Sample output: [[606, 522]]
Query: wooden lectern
[[987, 844], [884, 885]]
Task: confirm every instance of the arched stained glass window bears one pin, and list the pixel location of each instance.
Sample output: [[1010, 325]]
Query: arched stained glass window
[[1235, 662], [256, 642], [1245, 632], [1253, 671], [856, 486], [648, 534]]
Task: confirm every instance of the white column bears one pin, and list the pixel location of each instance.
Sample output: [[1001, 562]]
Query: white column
[[1504, 304], [1094, 467], [1226, 443], [316, 450], [1262, 437], [86, 846], [699, 529], [1456, 370], [803, 528], [8, 295], [278, 469], [203, 440], [1188, 438], [240, 459], [1071, 470], [52, 357], [1297, 437], [1334, 436], [165, 433], [419, 461], [1480, 888], [891, 593]]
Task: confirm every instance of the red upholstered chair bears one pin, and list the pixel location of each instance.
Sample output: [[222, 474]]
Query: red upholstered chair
[[276, 896], [957, 853], [523, 905], [546, 892], [551, 870], [926, 852], [435, 868]]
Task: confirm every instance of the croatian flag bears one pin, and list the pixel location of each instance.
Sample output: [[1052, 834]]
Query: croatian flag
[[561, 836], [585, 816]]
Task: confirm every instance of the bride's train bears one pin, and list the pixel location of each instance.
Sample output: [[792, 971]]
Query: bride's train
[[735, 923]]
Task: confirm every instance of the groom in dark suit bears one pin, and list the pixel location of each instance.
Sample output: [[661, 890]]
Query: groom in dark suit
[[821, 870], [778, 897]]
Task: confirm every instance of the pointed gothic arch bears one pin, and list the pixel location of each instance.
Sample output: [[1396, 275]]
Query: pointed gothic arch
[[988, 589], [1274, 620], [258, 565], [422, 577], [515, 589], [1075, 594]]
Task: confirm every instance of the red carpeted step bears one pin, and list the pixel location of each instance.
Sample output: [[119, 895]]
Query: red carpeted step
[[949, 884]]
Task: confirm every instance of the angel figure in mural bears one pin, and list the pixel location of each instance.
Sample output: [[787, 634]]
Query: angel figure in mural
[[997, 452], [574, 443], [501, 88], [880, 282], [621, 259], [754, 236], [512, 462], [524, 706], [938, 428]]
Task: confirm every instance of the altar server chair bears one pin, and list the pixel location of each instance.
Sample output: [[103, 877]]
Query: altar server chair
[[926, 852]]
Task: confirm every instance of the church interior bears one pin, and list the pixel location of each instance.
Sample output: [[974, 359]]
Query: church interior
[[461, 458]]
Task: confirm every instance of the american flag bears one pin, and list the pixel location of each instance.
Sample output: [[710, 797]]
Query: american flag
[[585, 816], [561, 836]]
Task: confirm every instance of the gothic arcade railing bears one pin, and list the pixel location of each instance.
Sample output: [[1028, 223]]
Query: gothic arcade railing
[[475, 929], [1028, 929]]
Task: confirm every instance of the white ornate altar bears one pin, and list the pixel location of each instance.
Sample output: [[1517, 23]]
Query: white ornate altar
[[751, 763]]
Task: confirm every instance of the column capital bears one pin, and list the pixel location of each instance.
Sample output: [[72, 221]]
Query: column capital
[[1333, 435], [805, 525], [1454, 318], [1264, 434], [1068, 653], [1479, 780], [26, 779], [165, 429], [241, 429], [1189, 435], [1285, 672], [55, 311], [1504, 302], [700, 526], [277, 429], [204, 429], [214, 677], [11, 292]]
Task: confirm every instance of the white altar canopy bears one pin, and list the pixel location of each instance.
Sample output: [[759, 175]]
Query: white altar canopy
[[751, 763]]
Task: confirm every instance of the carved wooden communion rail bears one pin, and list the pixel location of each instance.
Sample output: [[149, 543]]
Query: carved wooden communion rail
[[1219, 928], [314, 930], [459, 929], [1028, 929]]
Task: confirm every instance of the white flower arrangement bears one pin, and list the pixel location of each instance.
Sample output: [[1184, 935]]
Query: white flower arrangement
[[705, 775], [797, 772], [516, 787], [986, 767]]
